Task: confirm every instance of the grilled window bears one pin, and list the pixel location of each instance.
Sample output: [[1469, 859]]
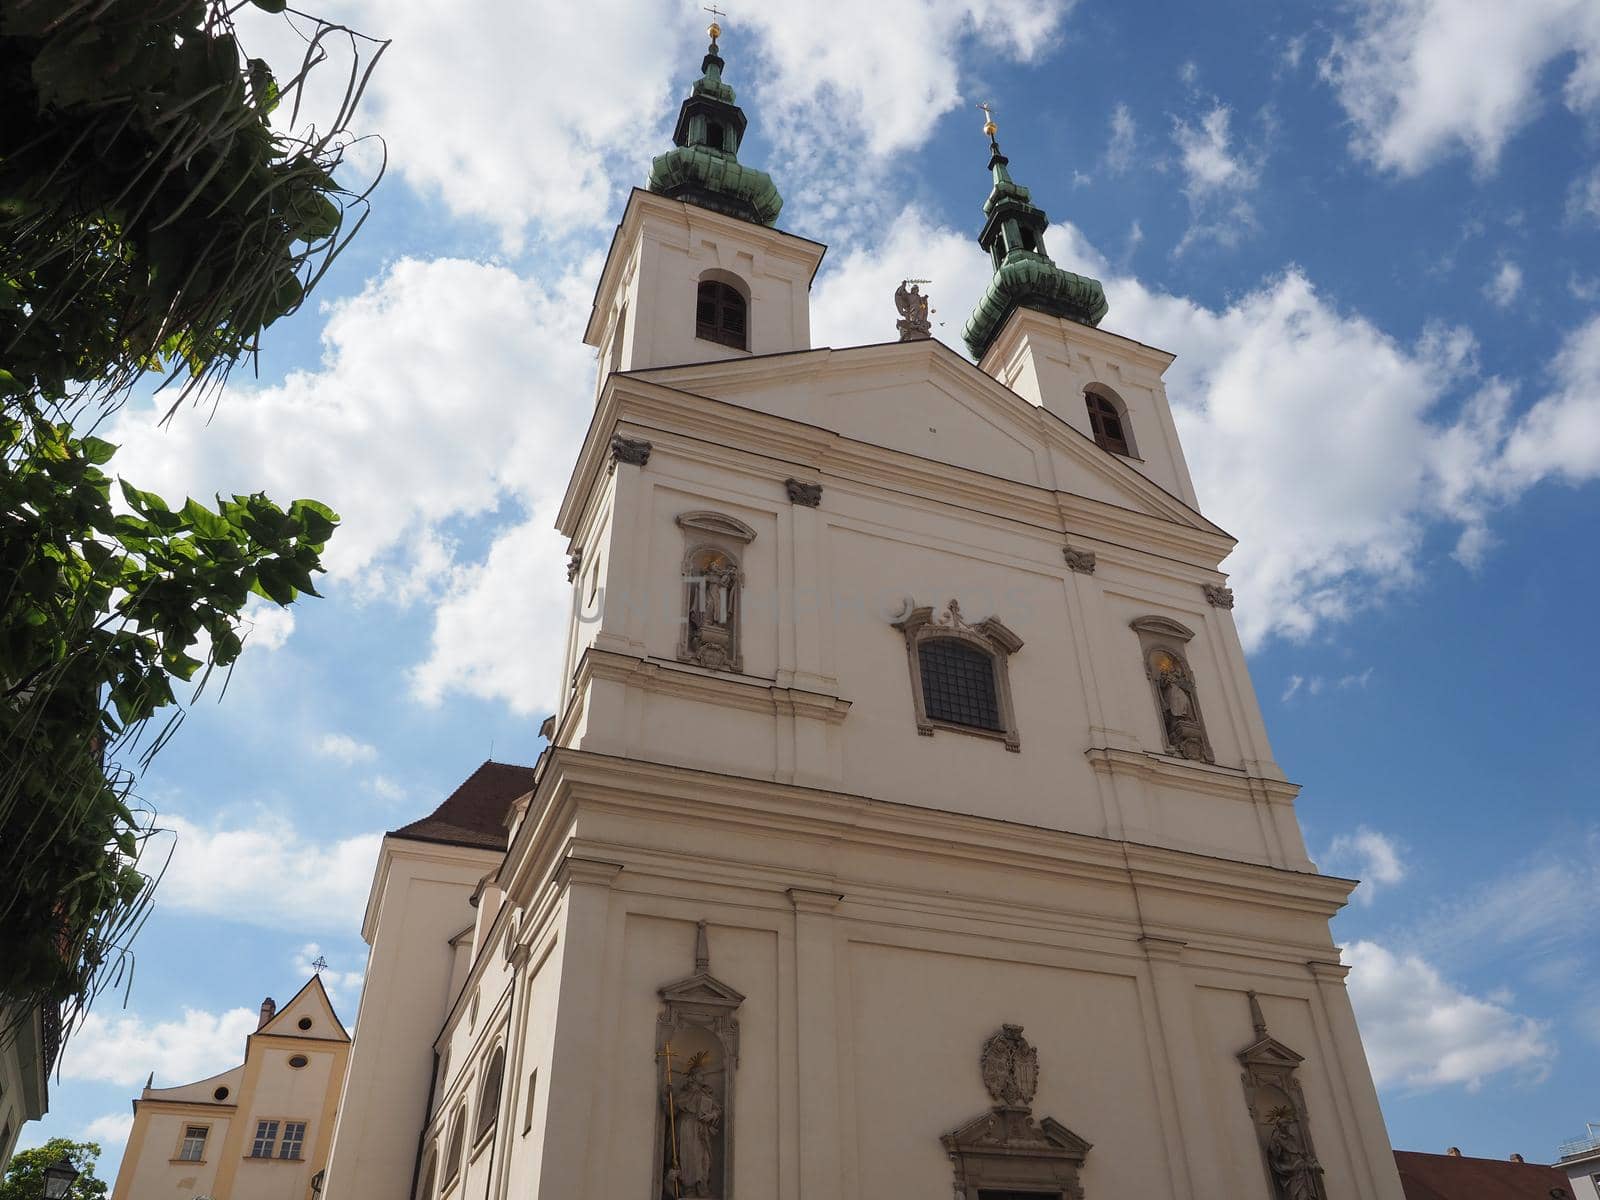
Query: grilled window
[[194, 1144], [1106, 421], [958, 684], [720, 314], [266, 1138], [294, 1139]]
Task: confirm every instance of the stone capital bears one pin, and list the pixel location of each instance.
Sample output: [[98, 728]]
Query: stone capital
[[807, 495], [1081, 561], [1162, 949], [1218, 596], [574, 869], [1327, 972], [629, 450], [812, 900]]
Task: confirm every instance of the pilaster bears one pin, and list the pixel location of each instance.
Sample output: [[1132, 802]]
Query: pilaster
[[818, 1058], [1189, 1140]]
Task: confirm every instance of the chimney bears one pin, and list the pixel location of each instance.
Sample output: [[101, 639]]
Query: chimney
[[1518, 1158], [1454, 1152], [267, 1009]]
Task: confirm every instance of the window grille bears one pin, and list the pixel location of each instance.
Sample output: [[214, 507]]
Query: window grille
[[266, 1137], [294, 1139], [720, 314], [958, 684]]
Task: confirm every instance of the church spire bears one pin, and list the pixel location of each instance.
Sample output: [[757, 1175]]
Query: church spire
[[703, 167], [1025, 276]]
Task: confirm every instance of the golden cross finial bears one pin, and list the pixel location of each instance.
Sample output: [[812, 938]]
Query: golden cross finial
[[716, 20], [989, 127]]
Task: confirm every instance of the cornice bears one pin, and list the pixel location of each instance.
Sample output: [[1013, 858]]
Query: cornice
[[1023, 320], [1231, 782], [397, 846], [692, 683]]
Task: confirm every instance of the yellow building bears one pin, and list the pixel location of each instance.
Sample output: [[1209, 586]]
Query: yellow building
[[260, 1131]]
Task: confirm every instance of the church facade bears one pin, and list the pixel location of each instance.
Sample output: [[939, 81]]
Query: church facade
[[908, 825]]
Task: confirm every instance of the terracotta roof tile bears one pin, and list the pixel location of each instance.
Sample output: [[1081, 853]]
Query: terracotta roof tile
[[1456, 1177], [475, 813]]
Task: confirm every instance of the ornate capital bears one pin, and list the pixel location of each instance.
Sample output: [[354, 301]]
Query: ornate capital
[[1218, 596], [574, 564], [586, 870], [1327, 972], [628, 450], [808, 495], [1081, 561], [814, 900]]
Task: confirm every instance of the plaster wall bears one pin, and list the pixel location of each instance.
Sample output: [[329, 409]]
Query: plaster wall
[[150, 1164], [1584, 1177], [419, 902]]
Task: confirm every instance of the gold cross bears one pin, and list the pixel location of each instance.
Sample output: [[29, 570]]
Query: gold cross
[[989, 126]]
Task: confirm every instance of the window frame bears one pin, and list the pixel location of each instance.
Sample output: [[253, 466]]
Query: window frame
[[490, 1088], [723, 295], [183, 1141], [271, 1140], [299, 1143], [1099, 393], [455, 1150], [991, 636]]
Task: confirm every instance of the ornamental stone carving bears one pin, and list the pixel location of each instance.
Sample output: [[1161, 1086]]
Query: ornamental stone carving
[[1004, 1151], [697, 1057], [713, 582], [1081, 561], [994, 644], [574, 564], [1218, 596], [807, 494], [1177, 699], [629, 450], [1278, 1111], [912, 305]]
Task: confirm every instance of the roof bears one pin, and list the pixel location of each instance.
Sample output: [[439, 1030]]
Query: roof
[[1456, 1177], [475, 813]]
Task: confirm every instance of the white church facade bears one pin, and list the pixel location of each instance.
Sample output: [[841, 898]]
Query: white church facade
[[908, 825]]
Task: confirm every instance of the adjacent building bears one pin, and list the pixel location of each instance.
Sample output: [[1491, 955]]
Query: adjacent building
[[261, 1131], [1580, 1161], [908, 825], [1456, 1176], [29, 1041]]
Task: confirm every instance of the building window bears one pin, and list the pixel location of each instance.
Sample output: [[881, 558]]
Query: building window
[[713, 583], [1172, 683], [294, 1139], [719, 316], [425, 1191], [452, 1155], [298, 1061], [489, 1095], [1108, 420], [194, 1143], [960, 679], [303, 1023], [266, 1137], [527, 1115]]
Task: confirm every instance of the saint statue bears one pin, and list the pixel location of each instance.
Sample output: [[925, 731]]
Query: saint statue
[[696, 1123], [1184, 732], [913, 306], [711, 614], [1295, 1171]]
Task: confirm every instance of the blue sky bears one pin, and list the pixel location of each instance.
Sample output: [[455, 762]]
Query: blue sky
[[1370, 232]]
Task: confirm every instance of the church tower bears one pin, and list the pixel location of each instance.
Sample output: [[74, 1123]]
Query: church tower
[[908, 826]]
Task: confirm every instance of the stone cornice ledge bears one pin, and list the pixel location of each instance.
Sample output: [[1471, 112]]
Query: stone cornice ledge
[[1202, 777], [693, 683]]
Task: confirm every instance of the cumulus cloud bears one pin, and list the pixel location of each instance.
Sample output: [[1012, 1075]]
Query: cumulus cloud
[[1420, 79], [1421, 1031], [1583, 198], [1218, 175], [1367, 855], [268, 873], [1506, 285], [343, 748], [1124, 133], [124, 1048], [109, 1130]]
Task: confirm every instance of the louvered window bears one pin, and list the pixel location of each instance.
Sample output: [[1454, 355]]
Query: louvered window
[[958, 684], [720, 314], [1106, 422]]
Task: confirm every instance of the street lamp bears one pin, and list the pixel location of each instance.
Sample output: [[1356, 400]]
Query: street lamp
[[59, 1178]]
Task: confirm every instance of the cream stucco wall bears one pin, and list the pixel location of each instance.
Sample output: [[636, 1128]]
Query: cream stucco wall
[[24, 1086]]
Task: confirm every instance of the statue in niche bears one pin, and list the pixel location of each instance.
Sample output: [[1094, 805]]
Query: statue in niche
[[1295, 1170], [694, 1118], [1278, 1110], [1180, 714], [712, 579]]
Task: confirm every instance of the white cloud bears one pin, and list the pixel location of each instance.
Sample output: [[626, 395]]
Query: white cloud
[[1291, 688], [266, 626], [268, 873], [1422, 1032], [343, 987], [1559, 437], [1124, 133], [124, 1049], [1217, 176], [341, 747], [1583, 198], [386, 788], [1367, 855], [109, 1130], [1502, 291], [1420, 79]]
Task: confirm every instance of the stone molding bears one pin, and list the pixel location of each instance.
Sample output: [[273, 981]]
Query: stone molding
[[672, 679], [1218, 596], [1162, 949], [629, 450], [714, 524], [1081, 561], [574, 869], [1328, 972], [810, 900], [807, 495], [919, 624], [1199, 776]]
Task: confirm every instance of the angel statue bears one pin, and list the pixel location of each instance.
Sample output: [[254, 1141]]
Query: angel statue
[[913, 305]]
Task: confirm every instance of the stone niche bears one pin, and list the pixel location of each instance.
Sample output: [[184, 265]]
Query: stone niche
[[1004, 1154]]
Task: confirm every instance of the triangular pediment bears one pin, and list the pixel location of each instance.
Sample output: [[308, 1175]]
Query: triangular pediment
[[1016, 1131], [702, 988], [308, 1015], [923, 399], [1270, 1052]]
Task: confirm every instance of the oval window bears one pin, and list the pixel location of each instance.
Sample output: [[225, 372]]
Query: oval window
[[220, 1094], [298, 1061], [305, 1022]]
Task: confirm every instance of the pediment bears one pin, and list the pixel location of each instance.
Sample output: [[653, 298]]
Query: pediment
[[1002, 1130], [703, 989], [717, 524], [1270, 1052], [310, 1004], [923, 399]]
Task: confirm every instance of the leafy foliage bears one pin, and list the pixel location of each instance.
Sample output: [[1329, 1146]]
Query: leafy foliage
[[152, 219], [24, 1178]]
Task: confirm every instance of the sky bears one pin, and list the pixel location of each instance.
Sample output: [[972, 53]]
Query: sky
[[1369, 231]]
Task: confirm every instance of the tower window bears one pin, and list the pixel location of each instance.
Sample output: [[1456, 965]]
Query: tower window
[[715, 136], [959, 675], [720, 314], [1108, 423]]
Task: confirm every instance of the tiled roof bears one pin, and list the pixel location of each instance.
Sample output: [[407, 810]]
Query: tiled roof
[[1456, 1177], [475, 813]]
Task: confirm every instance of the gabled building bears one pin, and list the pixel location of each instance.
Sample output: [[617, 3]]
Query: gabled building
[[260, 1131], [908, 825]]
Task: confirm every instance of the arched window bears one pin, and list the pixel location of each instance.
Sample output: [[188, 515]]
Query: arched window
[[1108, 421], [455, 1147], [489, 1095], [959, 674], [720, 312], [425, 1191]]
